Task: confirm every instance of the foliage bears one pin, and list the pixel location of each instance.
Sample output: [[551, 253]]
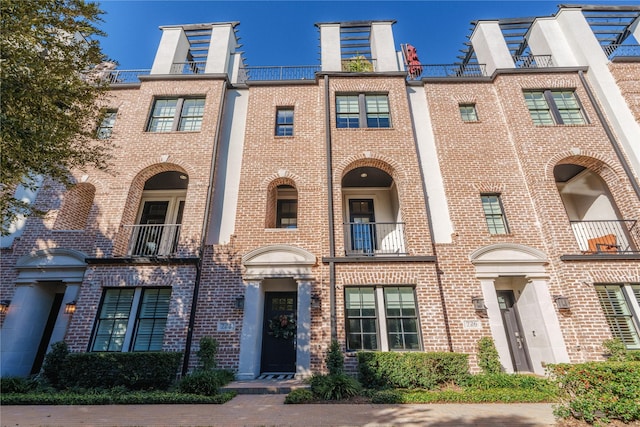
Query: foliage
[[17, 385], [411, 370], [358, 64], [494, 395], [205, 383], [335, 359], [283, 326], [48, 104], [488, 358], [300, 395], [334, 387], [56, 364], [510, 381], [387, 396], [616, 350], [112, 397], [208, 353], [599, 391]]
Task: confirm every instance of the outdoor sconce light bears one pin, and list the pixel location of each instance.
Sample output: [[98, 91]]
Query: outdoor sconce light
[[562, 303], [240, 302], [70, 307], [315, 301], [4, 306], [479, 307]]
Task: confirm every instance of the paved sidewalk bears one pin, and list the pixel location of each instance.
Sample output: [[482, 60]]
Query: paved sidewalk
[[270, 411]]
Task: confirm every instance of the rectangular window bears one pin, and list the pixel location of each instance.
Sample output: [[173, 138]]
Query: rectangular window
[[494, 213], [284, 122], [132, 319], [549, 107], [621, 308], [468, 112], [287, 215], [363, 110], [381, 318], [176, 114], [106, 125]]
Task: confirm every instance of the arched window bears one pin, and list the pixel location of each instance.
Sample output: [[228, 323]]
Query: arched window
[[75, 209]]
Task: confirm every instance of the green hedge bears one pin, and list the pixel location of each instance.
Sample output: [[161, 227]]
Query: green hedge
[[134, 371], [112, 398], [411, 370], [599, 391]]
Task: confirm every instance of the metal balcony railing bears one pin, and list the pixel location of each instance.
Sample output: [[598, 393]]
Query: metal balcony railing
[[532, 61], [152, 240], [607, 237], [275, 73], [418, 71], [190, 67], [125, 76], [621, 50], [374, 238]]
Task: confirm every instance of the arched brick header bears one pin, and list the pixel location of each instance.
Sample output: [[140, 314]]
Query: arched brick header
[[371, 160], [272, 198]]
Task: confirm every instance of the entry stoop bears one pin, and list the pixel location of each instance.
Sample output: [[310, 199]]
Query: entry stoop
[[267, 384]]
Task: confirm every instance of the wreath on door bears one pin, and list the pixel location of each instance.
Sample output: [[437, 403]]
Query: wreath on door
[[282, 326]]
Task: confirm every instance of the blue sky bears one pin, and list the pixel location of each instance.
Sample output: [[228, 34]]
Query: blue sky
[[283, 32]]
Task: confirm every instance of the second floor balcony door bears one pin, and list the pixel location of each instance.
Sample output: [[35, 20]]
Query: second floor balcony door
[[158, 226], [362, 220]]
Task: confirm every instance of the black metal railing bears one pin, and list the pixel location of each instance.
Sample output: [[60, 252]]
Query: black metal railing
[[374, 238], [275, 73], [418, 71], [605, 237], [532, 61], [125, 76], [621, 50], [190, 67], [153, 240]]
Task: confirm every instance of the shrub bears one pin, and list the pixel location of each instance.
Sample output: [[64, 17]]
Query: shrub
[[55, 364], [387, 396], [616, 350], [488, 358], [17, 385], [599, 391], [301, 395], [510, 381], [208, 353], [411, 370], [108, 397], [205, 383], [335, 359], [334, 387]]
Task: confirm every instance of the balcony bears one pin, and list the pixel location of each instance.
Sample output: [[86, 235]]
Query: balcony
[[532, 61], [607, 237], [374, 239], [622, 51], [152, 240]]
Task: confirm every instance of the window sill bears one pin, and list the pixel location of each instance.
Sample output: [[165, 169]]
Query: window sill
[[280, 230], [172, 131], [364, 129]]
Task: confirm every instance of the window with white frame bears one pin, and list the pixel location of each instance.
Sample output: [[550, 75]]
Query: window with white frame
[[176, 114], [621, 307], [106, 125], [381, 318], [549, 107], [363, 111], [131, 319], [494, 213]]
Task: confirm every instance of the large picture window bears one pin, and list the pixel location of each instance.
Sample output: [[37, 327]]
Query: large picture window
[[132, 319], [381, 318]]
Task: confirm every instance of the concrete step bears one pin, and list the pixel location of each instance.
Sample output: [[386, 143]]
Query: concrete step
[[266, 385]]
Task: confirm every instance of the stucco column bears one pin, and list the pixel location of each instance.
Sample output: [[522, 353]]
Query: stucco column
[[173, 47], [383, 47], [222, 45], [490, 47], [303, 342], [250, 338], [330, 47]]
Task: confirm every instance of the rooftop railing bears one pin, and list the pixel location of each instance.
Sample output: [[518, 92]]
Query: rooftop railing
[[125, 76], [419, 71], [532, 61], [190, 67], [274, 73], [621, 50]]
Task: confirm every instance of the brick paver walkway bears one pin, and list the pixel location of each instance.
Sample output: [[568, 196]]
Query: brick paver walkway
[[270, 411]]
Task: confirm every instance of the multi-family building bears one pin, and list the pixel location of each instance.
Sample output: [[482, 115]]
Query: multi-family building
[[373, 199]]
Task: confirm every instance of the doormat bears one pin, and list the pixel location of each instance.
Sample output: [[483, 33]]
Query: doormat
[[276, 376]]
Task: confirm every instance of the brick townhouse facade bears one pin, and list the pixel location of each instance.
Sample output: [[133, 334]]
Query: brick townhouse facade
[[382, 202]]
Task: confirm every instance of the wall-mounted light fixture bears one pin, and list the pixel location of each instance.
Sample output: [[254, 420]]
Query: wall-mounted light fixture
[[562, 302], [240, 302], [479, 307], [4, 305], [315, 301], [70, 307]]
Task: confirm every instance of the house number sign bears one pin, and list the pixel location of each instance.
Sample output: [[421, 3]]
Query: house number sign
[[226, 326]]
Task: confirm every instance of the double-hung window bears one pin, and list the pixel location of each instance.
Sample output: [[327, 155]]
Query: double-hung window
[[549, 107], [284, 121], [621, 306], [468, 112], [381, 318], [363, 111], [494, 214], [106, 125], [131, 319], [176, 114]]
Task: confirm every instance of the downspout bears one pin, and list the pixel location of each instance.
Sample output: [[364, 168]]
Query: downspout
[[205, 221], [332, 245], [610, 135]]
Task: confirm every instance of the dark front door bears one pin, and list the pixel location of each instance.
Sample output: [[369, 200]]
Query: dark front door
[[279, 332], [46, 334], [362, 219], [515, 337]]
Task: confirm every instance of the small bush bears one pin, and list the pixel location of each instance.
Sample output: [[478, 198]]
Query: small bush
[[334, 387], [411, 370], [205, 383], [335, 359], [208, 353], [488, 358], [301, 395], [387, 396], [56, 364], [616, 350], [599, 391], [17, 385]]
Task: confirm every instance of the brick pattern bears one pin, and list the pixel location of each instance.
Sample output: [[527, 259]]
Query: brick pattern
[[627, 76]]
